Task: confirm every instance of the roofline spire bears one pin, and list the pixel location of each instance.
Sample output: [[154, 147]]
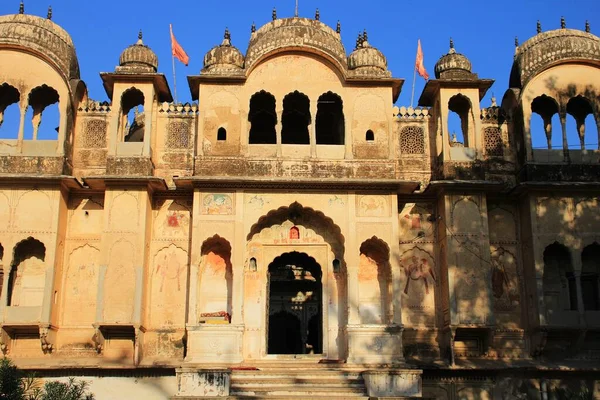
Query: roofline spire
[[49, 15], [22, 8]]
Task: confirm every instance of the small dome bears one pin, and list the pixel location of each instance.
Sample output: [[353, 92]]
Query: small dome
[[138, 58], [453, 65], [43, 37], [223, 59], [367, 60]]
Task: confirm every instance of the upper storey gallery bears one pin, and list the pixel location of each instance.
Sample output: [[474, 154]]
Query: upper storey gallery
[[295, 102]]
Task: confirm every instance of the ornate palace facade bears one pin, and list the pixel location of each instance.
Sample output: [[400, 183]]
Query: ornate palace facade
[[294, 227]]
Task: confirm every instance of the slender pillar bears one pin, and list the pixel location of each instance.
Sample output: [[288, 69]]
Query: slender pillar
[[581, 131], [548, 129], [563, 124], [312, 129], [278, 129]]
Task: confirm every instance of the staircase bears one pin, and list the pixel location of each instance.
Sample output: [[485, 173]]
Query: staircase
[[305, 383]]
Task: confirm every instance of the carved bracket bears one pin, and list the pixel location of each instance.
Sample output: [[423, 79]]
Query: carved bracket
[[46, 338], [98, 339], [4, 340]]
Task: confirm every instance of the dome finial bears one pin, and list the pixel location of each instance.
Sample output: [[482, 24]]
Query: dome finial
[[140, 36], [516, 41], [358, 41], [365, 37], [253, 27], [539, 26], [49, 16], [226, 38], [22, 8], [317, 15], [494, 103], [451, 51], [587, 26], [563, 23], [274, 14], [338, 28]]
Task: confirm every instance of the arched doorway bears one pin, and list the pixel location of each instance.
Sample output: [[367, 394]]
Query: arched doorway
[[294, 305]]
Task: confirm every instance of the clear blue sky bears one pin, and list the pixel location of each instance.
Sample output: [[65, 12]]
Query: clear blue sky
[[482, 30]]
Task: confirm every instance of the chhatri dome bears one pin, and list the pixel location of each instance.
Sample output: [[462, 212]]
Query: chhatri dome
[[366, 59], [43, 38], [550, 48], [224, 58], [138, 58], [296, 34], [453, 65]]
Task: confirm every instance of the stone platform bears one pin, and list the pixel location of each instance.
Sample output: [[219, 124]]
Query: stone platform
[[299, 380]]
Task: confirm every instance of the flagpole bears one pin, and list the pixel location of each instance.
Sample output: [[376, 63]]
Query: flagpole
[[174, 78], [412, 96], [173, 59]]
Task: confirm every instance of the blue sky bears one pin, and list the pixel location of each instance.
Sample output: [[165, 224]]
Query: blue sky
[[482, 30]]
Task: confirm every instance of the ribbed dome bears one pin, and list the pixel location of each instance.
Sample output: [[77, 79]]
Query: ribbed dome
[[42, 36], [453, 65], [290, 33], [223, 59], [549, 48], [367, 60], [138, 58]]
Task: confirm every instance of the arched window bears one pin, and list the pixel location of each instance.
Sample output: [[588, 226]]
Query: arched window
[[590, 271], [370, 136], [547, 108], [294, 232], [412, 140], [132, 116], [10, 115], [560, 289], [43, 100], [330, 119], [262, 118], [375, 282], [221, 134], [579, 108], [295, 119], [459, 120], [28, 275]]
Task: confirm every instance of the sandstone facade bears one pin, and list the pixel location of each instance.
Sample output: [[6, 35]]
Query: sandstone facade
[[295, 216]]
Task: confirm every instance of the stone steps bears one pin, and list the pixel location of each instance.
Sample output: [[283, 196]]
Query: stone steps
[[297, 383]]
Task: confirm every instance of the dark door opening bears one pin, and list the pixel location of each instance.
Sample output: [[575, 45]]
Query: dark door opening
[[295, 305]]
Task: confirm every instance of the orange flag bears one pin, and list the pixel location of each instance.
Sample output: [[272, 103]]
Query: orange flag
[[177, 50], [419, 66]]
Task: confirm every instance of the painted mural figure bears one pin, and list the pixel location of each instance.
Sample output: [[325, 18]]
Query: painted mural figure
[[418, 270], [169, 268]]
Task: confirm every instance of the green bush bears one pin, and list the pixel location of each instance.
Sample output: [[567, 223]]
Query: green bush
[[14, 385]]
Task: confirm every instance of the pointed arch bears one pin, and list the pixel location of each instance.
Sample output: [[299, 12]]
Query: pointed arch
[[27, 278], [262, 118], [215, 282], [300, 215], [295, 119], [375, 278], [330, 124]]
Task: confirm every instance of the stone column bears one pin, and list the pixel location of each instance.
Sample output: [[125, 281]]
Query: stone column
[[352, 262], [347, 133], [548, 130], [100, 294], [312, 129], [21, 134], [581, 131], [563, 124], [278, 128], [577, 268], [238, 255]]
